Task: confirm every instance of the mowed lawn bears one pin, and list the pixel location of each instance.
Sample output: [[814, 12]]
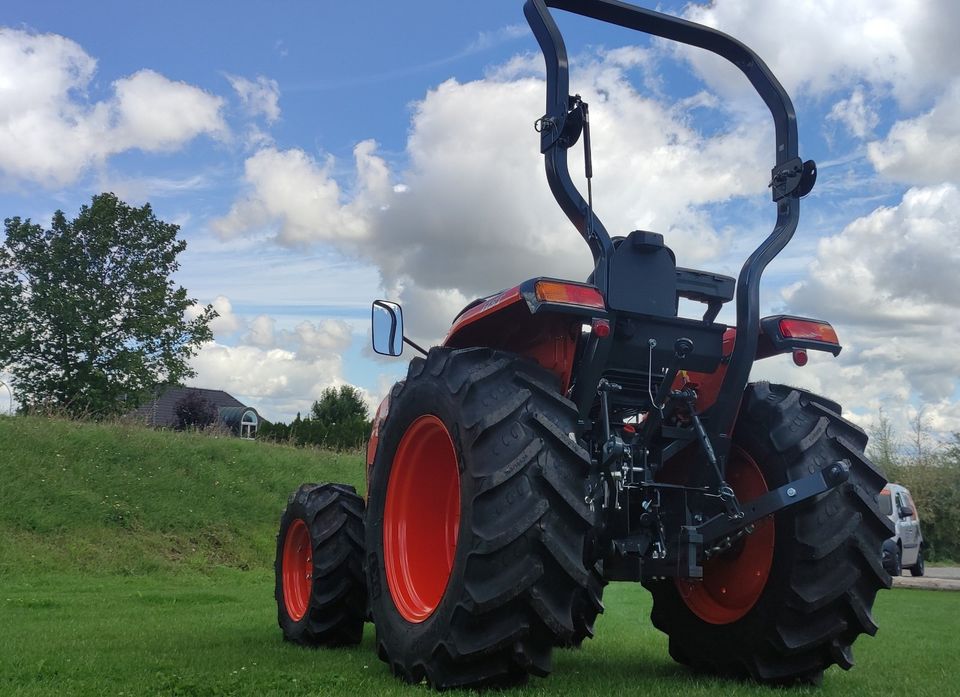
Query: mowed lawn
[[216, 634]]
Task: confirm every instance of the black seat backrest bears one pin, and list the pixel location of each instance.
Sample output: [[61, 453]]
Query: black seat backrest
[[643, 276]]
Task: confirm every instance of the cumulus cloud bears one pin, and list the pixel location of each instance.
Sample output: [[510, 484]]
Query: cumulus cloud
[[296, 197], [856, 113], [925, 149], [889, 283], [261, 332], [471, 213], [280, 371], [260, 97], [50, 132], [904, 46], [277, 381]]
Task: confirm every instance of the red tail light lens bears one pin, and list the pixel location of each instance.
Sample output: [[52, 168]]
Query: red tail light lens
[[569, 294], [808, 329]]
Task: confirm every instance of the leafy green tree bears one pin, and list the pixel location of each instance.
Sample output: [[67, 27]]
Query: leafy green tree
[[341, 416], [91, 319], [337, 420], [339, 405]]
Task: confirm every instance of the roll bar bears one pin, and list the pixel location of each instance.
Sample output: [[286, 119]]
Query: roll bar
[[791, 178]]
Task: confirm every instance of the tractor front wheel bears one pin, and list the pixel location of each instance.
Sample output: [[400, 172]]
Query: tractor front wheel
[[477, 528], [790, 599], [320, 587]]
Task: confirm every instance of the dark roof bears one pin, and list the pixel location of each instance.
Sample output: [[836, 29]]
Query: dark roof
[[160, 411]]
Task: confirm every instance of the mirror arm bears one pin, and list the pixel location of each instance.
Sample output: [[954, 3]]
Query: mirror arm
[[410, 343]]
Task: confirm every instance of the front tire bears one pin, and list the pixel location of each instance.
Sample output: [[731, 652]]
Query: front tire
[[919, 568], [477, 527], [823, 565], [319, 581]]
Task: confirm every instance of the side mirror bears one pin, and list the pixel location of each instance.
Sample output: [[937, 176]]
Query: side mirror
[[906, 512], [387, 320]]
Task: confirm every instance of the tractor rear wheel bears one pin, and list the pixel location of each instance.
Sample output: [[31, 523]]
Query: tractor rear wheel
[[477, 528], [790, 599], [320, 586]]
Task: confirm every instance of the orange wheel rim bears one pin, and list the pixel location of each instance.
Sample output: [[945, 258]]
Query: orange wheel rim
[[734, 580], [421, 518], [297, 569]]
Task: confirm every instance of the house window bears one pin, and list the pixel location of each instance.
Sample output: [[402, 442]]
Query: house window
[[248, 425]]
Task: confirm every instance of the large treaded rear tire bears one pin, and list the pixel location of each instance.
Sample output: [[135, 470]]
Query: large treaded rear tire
[[518, 584], [336, 607], [826, 567]]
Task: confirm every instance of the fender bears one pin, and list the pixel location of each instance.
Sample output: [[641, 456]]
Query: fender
[[541, 318], [778, 334]]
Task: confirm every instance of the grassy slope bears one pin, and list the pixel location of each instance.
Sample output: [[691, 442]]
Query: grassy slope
[[112, 499]]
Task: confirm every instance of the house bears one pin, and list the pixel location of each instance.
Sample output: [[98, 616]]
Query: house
[[232, 414]]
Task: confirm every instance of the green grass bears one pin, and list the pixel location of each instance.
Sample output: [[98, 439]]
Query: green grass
[[138, 563], [217, 635], [121, 499]]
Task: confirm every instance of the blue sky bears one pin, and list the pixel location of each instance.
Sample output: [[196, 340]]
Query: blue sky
[[317, 155]]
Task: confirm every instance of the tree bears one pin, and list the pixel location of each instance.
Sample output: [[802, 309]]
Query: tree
[[91, 320], [193, 410], [339, 406], [339, 418]]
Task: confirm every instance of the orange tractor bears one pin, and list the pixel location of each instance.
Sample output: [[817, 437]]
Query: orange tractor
[[569, 434]]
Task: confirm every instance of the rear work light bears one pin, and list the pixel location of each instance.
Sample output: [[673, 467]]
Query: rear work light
[[569, 294], [808, 329]]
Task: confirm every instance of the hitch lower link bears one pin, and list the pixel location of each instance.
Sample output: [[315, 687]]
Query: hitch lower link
[[722, 526]]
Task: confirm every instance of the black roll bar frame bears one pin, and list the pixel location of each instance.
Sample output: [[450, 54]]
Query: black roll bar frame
[[786, 175]]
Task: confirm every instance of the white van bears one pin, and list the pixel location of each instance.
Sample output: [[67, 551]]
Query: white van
[[905, 549]]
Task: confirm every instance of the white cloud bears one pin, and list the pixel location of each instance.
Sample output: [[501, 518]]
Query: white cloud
[[889, 283], [854, 112], [225, 323], [925, 149], [155, 114], [321, 338], [905, 46], [297, 198], [50, 132], [259, 97], [275, 381], [280, 372], [261, 332], [474, 214]]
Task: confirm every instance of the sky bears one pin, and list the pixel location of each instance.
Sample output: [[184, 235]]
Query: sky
[[319, 155]]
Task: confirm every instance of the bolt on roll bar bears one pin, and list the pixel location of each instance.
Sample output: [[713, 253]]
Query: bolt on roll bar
[[791, 178]]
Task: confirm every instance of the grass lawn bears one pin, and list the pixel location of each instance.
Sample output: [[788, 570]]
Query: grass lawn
[[137, 562], [216, 634]]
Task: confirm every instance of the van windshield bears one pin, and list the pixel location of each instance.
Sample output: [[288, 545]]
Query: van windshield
[[886, 504]]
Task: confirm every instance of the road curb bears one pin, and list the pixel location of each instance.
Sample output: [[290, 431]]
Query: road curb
[[927, 583]]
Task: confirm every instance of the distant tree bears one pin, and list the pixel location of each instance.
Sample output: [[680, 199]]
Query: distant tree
[[883, 447], [193, 410], [931, 471], [340, 418], [91, 319], [338, 405]]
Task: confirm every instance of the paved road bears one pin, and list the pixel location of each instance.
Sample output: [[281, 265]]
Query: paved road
[[942, 571], [945, 578]]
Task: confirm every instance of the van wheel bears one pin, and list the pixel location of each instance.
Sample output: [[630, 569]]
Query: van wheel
[[917, 569]]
